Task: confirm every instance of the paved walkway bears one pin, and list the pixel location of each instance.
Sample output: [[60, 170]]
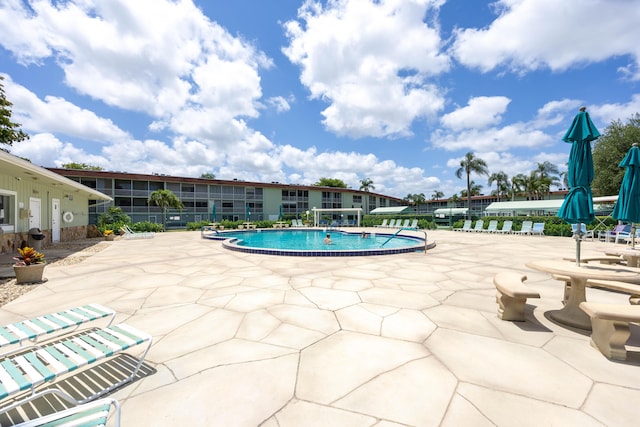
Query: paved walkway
[[400, 340]]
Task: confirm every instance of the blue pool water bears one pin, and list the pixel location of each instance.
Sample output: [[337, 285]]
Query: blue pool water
[[311, 243]]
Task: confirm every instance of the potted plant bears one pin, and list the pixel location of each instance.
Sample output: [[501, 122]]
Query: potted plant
[[29, 265], [108, 235]]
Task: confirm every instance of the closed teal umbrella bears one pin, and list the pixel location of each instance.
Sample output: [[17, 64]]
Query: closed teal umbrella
[[213, 213], [248, 213], [578, 205], [627, 207]]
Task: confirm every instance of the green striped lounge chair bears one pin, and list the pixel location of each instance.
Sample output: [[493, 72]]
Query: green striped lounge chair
[[31, 330], [23, 372]]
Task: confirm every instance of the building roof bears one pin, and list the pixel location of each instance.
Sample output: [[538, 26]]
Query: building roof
[[450, 211], [549, 206], [11, 165], [390, 210]]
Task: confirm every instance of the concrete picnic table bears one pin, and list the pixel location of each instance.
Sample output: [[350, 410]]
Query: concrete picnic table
[[631, 255], [571, 314]]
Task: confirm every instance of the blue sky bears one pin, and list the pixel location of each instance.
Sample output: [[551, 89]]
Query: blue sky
[[291, 91]]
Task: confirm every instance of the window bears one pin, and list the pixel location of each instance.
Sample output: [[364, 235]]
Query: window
[[8, 210], [357, 199]]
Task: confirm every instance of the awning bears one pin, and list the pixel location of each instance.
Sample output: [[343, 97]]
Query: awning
[[390, 210], [526, 205], [442, 212]]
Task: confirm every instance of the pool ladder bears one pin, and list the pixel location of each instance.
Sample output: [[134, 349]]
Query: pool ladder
[[398, 232]]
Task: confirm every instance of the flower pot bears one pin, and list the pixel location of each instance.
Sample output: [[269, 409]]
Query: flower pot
[[109, 238], [29, 273]]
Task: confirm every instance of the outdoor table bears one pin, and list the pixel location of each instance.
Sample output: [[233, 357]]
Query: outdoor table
[[571, 314], [632, 256]]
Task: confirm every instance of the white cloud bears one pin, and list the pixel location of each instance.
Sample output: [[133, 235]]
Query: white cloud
[[371, 61], [534, 34], [480, 112]]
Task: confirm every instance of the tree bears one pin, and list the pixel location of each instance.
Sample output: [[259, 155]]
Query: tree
[[548, 173], [81, 166], [10, 132], [437, 195], [518, 185], [476, 189], [330, 182], [208, 175], [367, 185], [608, 152], [471, 164], [165, 199], [502, 183]]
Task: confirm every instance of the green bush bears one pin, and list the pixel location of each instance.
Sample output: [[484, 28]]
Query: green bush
[[192, 226], [146, 226]]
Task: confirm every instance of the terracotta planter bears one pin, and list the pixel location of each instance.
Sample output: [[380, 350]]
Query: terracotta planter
[[109, 238], [29, 273]]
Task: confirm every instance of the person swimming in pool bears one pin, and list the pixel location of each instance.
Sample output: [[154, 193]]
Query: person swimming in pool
[[327, 240], [364, 235]]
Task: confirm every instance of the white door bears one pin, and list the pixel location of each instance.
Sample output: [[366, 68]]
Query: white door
[[35, 213], [55, 220]]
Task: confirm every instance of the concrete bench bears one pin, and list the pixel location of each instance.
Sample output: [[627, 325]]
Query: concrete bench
[[628, 288], [610, 324], [601, 260], [512, 295]]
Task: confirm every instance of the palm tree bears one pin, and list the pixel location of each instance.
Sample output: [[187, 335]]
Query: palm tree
[[502, 183], [548, 174], [165, 199], [437, 195], [470, 164], [419, 199], [476, 189], [518, 185], [366, 184]]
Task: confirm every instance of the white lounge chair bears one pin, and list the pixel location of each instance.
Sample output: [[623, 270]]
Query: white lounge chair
[[506, 227], [130, 234], [392, 223], [405, 224], [479, 226], [465, 227], [26, 371], [492, 227], [15, 335], [94, 414], [526, 228], [538, 229], [414, 225], [384, 223]]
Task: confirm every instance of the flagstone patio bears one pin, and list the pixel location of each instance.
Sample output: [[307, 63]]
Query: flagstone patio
[[397, 340]]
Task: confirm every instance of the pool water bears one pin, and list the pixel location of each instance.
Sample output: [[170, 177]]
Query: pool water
[[311, 242]]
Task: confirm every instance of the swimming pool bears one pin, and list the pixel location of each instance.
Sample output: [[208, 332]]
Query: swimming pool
[[311, 242]]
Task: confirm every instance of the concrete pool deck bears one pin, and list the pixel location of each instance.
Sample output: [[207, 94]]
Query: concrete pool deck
[[398, 340]]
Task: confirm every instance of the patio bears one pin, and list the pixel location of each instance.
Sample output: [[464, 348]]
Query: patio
[[412, 339]]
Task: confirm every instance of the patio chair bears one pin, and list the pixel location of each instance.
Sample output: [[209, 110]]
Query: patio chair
[[625, 236], [538, 229], [128, 233], [23, 372], [610, 235], [465, 227], [493, 226], [384, 223], [479, 226], [405, 224], [526, 228], [414, 225], [584, 233], [506, 227], [14, 335], [94, 414], [392, 223]]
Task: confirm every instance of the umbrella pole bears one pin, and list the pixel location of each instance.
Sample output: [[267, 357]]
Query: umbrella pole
[[633, 235], [577, 237]]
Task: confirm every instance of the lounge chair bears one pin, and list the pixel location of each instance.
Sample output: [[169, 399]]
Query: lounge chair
[[526, 228], [23, 372], [384, 223], [538, 229], [625, 236], [392, 223], [492, 227], [610, 235], [479, 226], [94, 414], [465, 227], [582, 229], [405, 224], [506, 227], [414, 225], [128, 233], [15, 335]]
